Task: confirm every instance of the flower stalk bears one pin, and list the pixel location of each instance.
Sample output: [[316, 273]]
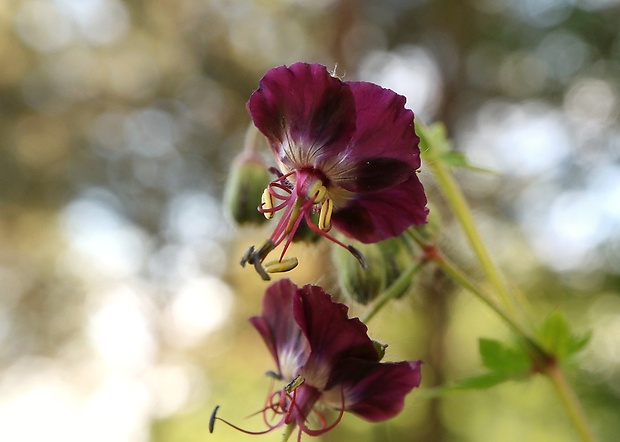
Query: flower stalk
[[458, 276], [288, 430], [459, 206], [456, 199], [570, 401]]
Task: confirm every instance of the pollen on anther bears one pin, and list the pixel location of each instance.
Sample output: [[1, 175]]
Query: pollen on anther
[[317, 191], [325, 216], [291, 386], [284, 265], [267, 204]]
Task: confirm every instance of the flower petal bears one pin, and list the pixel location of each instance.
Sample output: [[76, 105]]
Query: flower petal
[[280, 331], [372, 217], [303, 111], [332, 336], [384, 150], [374, 174], [376, 391], [384, 127]]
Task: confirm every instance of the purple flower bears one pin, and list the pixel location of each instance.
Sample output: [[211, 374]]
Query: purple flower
[[346, 150], [324, 358]]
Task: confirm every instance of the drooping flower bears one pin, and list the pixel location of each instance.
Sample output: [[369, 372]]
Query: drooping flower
[[346, 150], [325, 360]]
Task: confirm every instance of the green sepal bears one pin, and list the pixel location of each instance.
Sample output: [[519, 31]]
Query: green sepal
[[481, 382], [380, 347]]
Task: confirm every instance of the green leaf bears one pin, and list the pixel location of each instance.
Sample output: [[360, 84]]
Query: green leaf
[[458, 159], [481, 382], [435, 146], [504, 362], [556, 337], [502, 359], [433, 140]]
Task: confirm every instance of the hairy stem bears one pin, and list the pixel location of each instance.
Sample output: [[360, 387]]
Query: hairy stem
[[508, 311], [457, 202], [570, 401]]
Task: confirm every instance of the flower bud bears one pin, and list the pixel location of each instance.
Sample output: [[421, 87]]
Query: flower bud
[[380, 347], [246, 182], [357, 284], [397, 255], [386, 261]]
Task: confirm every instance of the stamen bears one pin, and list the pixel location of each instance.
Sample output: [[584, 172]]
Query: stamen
[[358, 255], [325, 216], [247, 256], [293, 219], [324, 428], [291, 386], [316, 192], [267, 204], [281, 266], [282, 194]]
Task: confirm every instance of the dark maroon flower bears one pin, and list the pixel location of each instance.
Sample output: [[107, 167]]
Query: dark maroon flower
[[346, 150], [324, 358]]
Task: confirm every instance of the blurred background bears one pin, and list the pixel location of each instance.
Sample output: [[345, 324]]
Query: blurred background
[[122, 305]]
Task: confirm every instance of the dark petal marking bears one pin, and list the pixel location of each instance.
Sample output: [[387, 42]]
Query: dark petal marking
[[384, 126], [384, 129], [381, 215], [376, 391], [374, 174]]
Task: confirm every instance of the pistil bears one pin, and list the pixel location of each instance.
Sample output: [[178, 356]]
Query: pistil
[[298, 201]]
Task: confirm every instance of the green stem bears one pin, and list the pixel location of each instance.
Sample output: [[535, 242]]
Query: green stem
[[394, 290], [457, 201], [462, 279], [251, 140], [552, 369], [288, 430], [570, 402], [459, 206]]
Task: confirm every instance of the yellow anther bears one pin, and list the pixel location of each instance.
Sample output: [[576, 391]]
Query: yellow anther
[[281, 266], [325, 216], [267, 203], [291, 386], [317, 191], [294, 215]]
